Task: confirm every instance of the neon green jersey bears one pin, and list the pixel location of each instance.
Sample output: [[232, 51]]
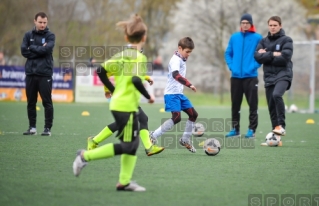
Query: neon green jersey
[[123, 66]]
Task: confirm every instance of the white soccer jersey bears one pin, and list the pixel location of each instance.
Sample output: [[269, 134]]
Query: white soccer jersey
[[173, 86]]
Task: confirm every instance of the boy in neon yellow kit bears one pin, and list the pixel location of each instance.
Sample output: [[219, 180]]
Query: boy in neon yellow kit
[[150, 149], [128, 78]]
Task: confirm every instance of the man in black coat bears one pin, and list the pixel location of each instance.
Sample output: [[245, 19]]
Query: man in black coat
[[37, 47], [275, 53]]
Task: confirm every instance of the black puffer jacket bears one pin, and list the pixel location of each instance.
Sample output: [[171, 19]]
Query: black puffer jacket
[[39, 57], [276, 68]]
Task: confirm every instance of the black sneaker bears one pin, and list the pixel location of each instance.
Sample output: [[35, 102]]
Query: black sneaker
[[46, 132], [30, 131]]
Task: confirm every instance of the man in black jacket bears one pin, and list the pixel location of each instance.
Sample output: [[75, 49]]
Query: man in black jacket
[[37, 47], [275, 53]]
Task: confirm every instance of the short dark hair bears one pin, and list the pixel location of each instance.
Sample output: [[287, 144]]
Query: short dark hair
[[186, 42], [275, 18], [41, 14]]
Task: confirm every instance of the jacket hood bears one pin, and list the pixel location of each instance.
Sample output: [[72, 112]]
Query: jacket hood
[[252, 29]]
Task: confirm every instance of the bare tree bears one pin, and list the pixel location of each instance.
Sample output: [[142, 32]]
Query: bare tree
[[15, 20], [211, 22], [103, 15], [155, 15], [83, 22]]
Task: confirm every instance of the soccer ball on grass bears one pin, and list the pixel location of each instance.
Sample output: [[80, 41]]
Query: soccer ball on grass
[[211, 146], [198, 130], [272, 139]]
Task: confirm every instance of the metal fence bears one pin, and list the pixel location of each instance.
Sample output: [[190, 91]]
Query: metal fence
[[305, 88]]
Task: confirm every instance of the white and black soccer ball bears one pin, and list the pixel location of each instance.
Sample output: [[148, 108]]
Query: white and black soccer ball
[[293, 108], [211, 146], [198, 130], [272, 139]]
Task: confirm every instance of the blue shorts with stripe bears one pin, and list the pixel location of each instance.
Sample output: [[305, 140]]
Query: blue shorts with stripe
[[176, 102]]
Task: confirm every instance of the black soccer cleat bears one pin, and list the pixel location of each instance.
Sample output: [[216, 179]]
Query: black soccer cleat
[[46, 132]]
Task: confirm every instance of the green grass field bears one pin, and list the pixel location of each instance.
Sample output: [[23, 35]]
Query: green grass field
[[37, 171], [208, 99]]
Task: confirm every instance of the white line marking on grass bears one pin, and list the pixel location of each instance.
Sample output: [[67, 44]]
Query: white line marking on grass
[[289, 141], [55, 134], [10, 132]]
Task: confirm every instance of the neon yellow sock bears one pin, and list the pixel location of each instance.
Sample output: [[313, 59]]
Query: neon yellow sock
[[102, 152], [144, 134], [127, 168], [105, 133]]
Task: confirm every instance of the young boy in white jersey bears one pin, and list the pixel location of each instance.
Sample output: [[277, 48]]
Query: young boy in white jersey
[[175, 100]]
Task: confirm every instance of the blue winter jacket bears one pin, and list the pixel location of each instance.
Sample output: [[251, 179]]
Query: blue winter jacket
[[239, 54]]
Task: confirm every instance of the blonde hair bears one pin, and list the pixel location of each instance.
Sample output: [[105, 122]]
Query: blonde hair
[[134, 28]]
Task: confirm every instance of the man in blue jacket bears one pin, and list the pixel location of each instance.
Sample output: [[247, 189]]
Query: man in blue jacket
[[37, 47], [239, 57]]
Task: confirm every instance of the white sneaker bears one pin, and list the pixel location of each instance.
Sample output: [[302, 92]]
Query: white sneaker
[[279, 130], [30, 131], [153, 139], [188, 145], [78, 163], [133, 186]]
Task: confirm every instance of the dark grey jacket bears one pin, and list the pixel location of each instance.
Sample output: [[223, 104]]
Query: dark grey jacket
[[276, 68], [39, 58]]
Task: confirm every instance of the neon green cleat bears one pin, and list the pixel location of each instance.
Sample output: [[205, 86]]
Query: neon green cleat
[[201, 144], [154, 150], [91, 144]]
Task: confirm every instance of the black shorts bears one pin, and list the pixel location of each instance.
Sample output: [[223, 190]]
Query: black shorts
[[127, 123]]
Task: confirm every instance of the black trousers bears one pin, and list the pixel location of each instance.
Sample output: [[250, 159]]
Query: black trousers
[[128, 132], [276, 105], [42, 85], [249, 87]]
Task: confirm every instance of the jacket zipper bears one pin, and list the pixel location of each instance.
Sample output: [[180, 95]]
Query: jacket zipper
[[242, 54], [32, 60]]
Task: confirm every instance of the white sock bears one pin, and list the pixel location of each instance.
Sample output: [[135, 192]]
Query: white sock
[[188, 131], [166, 126]]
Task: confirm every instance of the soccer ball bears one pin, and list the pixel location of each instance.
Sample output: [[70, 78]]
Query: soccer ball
[[272, 139], [198, 130], [211, 146], [293, 108]]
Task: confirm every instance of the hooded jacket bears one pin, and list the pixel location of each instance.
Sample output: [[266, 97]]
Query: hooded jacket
[[276, 68], [39, 58], [239, 54]]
